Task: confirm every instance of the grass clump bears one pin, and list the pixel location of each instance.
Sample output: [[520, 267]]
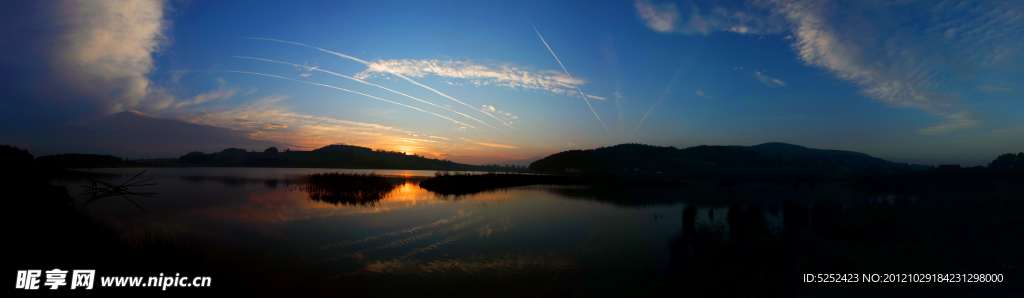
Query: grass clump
[[348, 189]]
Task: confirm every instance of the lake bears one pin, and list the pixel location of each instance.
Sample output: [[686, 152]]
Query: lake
[[260, 224]]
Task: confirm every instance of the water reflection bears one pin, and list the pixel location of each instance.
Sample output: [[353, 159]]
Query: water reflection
[[538, 233], [718, 240], [236, 181], [504, 264]]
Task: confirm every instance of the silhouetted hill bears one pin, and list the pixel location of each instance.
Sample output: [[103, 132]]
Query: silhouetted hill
[[75, 160], [332, 156], [801, 154], [640, 157], [766, 157], [523, 162]]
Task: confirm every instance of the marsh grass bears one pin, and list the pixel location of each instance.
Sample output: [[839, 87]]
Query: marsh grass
[[348, 189]]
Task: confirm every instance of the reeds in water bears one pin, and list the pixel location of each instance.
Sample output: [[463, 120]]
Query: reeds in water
[[348, 189]]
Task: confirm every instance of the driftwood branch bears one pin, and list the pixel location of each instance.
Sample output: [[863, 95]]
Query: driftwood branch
[[109, 190]]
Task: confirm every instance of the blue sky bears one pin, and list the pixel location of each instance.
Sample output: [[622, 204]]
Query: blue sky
[[472, 81]]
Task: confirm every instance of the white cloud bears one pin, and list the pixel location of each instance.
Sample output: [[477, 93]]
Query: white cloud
[[103, 51], [107, 51], [699, 93]]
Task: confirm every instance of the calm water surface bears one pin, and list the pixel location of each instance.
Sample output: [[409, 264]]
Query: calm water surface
[[528, 239]]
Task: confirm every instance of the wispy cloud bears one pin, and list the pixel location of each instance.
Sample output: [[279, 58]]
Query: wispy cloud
[[707, 17], [308, 68], [703, 94], [396, 74], [222, 92], [768, 81], [571, 80], [897, 73], [277, 123], [990, 88], [505, 75], [488, 144], [661, 18], [363, 94], [908, 54], [954, 121], [508, 116], [274, 126]]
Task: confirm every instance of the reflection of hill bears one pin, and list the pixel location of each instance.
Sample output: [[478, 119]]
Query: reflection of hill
[[469, 184], [628, 197]]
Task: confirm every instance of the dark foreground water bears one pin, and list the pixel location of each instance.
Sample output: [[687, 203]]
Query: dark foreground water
[[522, 240], [260, 231]]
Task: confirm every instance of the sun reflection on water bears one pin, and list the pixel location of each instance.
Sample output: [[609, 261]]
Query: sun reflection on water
[[293, 203]]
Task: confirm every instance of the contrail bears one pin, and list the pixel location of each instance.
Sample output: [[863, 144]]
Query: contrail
[[667, 88], [396, 74], [371, 84], [584, 95], [618, 103], [343, 89]]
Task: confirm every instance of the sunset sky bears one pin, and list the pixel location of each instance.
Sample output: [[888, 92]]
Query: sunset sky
[[478, 81]]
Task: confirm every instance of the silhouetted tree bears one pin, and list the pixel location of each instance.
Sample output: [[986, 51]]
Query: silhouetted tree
[[13, 158], [1008, 160], [271, 150]]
